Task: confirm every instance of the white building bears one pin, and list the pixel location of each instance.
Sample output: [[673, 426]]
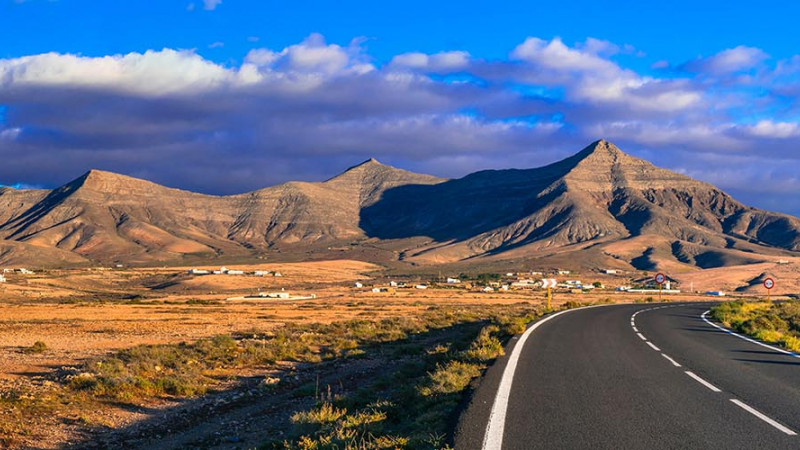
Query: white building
[[358, 284], [488, 289], [610, 271], [198, 272], [235, 272], [453, 281], [393, 283], [277, 274], [420, 286], [25, 271], [261, 273], [2, 279], [274, 295], [564, 272]]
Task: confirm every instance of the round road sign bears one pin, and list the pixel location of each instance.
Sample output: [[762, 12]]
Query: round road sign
[[661, 278], [769, 283]]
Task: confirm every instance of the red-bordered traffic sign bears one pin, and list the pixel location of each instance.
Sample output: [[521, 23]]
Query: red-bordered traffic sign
[[660, 278], [549, 283], [769, 283]]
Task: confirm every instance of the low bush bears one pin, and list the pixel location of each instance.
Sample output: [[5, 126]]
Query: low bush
[[777, 323], [37, 347]]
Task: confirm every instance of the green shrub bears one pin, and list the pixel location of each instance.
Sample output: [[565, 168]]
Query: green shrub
[[452, 377]]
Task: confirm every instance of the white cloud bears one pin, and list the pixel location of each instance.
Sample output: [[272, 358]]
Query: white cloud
[[556, 55], [10, 134], [771, 129], [149, 73], [732, 60], [210, 5], [217, 44], [443, 61]]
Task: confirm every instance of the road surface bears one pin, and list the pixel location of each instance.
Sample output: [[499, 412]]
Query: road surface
[[650, 376]]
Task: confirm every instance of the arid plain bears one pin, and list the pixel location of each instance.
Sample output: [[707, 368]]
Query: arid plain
[[84, 315]]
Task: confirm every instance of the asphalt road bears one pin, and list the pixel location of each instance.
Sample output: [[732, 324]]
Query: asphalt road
[[665, 379]]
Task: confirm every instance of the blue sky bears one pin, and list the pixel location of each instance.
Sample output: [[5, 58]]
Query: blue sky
[[230, 96], [676, 31]]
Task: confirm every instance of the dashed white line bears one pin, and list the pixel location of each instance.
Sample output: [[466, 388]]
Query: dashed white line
[[786, 352], [763, 417], [653, 346], [635, 329], [674, 363], [702, 381], [641, 337]]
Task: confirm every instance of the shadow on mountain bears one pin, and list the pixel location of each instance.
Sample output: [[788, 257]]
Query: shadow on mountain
[[463, 208]]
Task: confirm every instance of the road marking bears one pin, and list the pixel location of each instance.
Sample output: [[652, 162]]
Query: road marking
[[653, 346], [674, 363], [786, 352], [703, 382], [641, 337], [493, 439], [763, 417], [635, 329]]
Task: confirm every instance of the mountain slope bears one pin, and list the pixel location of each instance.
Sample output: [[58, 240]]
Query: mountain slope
[[601, 207]]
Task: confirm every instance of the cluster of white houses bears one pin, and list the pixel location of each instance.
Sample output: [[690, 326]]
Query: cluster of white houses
[[226, 271], [21, 270]]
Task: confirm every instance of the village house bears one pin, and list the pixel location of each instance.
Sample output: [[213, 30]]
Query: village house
[[2, 279]]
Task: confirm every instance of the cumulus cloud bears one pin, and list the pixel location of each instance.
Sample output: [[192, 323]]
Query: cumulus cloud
[[310, 109], [443, 61], [778, 130], [732, 60]]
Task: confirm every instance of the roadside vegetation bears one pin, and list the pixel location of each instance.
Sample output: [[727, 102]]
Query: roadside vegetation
[[411, 403], [776, 323]]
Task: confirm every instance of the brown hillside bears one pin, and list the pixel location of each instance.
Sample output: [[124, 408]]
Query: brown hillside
[[600, 207]]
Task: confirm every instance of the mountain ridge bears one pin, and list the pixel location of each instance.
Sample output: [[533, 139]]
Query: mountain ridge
[[611, 206]]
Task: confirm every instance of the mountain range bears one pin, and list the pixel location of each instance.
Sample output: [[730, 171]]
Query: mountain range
[[600, 207]]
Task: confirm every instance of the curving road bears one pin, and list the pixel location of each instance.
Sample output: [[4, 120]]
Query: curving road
[[635, 377]]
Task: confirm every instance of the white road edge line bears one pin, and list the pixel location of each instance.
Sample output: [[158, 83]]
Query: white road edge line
[[674, 363], [702, 381], [786, 352], [653, 346], [493, 438], [641, 337], [763, 417]]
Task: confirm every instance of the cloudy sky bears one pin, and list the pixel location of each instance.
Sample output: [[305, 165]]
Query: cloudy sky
[[229, 96]]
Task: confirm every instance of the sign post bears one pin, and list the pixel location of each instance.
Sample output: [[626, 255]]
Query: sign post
[[660, 279], [769, 283], [549, 283]]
